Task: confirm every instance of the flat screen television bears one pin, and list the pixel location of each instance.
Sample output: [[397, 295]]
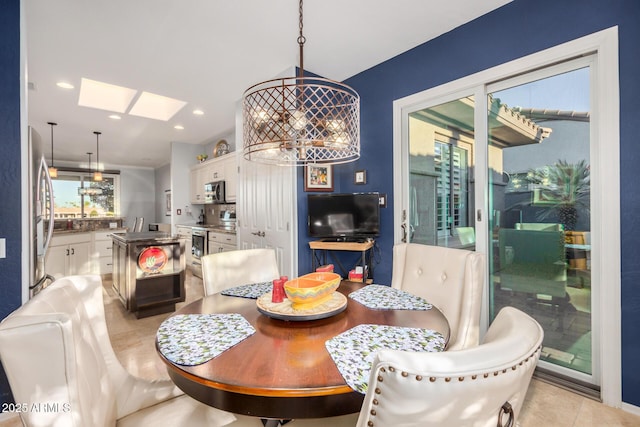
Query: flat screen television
[[349, 216]]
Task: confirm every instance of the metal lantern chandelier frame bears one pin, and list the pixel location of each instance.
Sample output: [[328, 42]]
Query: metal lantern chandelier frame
[[301, 120]]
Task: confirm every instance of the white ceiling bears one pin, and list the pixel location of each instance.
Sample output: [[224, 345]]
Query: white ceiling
[[204, 52]]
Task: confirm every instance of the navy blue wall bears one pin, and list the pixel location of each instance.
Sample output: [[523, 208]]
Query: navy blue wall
[[10, 214], [515, 30]]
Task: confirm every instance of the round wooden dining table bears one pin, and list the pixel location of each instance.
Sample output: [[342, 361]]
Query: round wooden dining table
[[283, 370]]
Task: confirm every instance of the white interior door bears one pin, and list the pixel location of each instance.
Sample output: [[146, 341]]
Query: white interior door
[[265, 209]]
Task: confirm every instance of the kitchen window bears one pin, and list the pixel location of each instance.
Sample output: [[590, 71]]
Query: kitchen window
[[76, 195]]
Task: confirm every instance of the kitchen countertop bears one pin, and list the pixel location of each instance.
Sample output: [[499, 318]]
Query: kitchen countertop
[[155, 236], [215, 228], [101, 230]]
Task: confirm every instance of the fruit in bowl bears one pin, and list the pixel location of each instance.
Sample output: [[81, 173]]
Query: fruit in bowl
[[202, 157], [311, 290]]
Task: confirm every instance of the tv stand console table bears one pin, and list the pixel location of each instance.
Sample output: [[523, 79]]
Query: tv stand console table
[[365, 248]]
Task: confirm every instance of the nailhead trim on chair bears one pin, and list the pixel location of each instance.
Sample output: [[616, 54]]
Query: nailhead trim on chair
[[446, 379]]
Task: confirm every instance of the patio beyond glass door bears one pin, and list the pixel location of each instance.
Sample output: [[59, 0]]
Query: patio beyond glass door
[[440, 170], [540, 224]]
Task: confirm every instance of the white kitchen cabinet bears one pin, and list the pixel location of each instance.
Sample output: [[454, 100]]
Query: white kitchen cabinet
[[103, 252], [223, 168], [231, 176], [215, 170], [222, 242], [196, 182], [184, 232], [69, 254]]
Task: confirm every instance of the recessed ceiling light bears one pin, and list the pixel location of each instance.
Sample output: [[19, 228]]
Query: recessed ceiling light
[[105, 96], [179, 127], [198, 112], [65, 85], [115, 117], [156, 107]]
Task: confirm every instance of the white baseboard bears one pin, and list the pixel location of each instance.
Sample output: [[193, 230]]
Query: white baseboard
[[632, 409]]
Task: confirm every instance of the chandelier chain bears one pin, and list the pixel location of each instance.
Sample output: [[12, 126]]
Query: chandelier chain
[[301, 40]]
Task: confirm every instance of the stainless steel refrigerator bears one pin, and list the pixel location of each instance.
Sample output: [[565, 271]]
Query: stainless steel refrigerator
[[41, 218]]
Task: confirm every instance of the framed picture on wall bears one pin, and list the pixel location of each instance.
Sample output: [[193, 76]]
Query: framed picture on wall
[[167, 198], [318, 178]]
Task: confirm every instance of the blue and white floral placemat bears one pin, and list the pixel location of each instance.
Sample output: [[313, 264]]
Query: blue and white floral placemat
[[252, 290], [192, 339], [388, 298], [353, 351]]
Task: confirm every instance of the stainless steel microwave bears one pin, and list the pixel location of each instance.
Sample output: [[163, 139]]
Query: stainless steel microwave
[[214, 192]]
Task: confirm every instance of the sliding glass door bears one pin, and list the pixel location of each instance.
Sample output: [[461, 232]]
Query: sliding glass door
[[511, 176], [539, 128]]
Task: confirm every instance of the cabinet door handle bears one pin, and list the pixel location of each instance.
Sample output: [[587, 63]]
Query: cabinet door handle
[[67, 252], [73, 251]]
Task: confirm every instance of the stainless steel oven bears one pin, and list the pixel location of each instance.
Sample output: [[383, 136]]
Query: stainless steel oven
[[199, 242]]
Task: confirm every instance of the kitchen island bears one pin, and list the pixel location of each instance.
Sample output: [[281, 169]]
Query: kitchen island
[[148, 271]]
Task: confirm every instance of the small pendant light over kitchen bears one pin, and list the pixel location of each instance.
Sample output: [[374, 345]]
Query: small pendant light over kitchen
[[89, 191], [97, 175], [53, 172], [301, 120]]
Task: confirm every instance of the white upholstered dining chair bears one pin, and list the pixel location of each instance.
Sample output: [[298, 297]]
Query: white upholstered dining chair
[[225, 270], [451, 279], [483, 386], [56, 351]]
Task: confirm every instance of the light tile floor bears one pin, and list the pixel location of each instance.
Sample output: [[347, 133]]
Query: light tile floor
[[546, 405]]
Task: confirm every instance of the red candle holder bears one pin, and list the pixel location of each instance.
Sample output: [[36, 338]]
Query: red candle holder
[[277, 293]]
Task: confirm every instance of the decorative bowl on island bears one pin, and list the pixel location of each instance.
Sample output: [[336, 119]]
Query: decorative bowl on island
[[311, 290]]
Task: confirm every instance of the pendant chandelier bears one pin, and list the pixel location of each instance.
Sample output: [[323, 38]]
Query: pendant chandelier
[[97, 175], [301, 120], [53, 172], [89, 191]]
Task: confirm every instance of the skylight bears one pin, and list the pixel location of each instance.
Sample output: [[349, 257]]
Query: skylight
[[117, 99], [105, 96], [156, 107]]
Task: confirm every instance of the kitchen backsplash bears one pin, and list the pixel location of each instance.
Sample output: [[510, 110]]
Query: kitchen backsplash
[[86, 224], [212, 212]]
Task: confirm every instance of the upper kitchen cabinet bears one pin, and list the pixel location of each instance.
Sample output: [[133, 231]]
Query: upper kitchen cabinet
[[231, 176], [223, 168], [197, 181]]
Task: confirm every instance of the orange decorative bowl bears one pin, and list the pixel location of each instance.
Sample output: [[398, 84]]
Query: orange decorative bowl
[[311, 290]]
